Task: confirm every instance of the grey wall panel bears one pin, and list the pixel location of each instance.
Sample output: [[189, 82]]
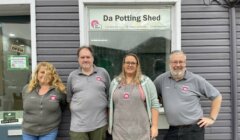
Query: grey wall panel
[[197, 2], [57, 41], [238, 64], [204, 69], [57, 51], [57, 58], [58, 44], [204, 22], [208, 63], [67, 65], [208, 56], [219, 129], [63, 16], [224, 110], [205, 40], [52, 9], [204, 15], [60, 23], [206, 36], [203, 8], [53, 37], [53, 3], [210, 49], [205, 29], [58, 30], [216, 76]]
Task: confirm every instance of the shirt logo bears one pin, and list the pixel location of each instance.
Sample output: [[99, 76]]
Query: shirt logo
[[185, 88], [126, 95], [53, 98], [98, 78]]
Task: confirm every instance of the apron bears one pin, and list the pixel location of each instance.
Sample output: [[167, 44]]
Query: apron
[[130, 120]]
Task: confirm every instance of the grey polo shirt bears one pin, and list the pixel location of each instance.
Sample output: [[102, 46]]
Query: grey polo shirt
[[88, 99], [181, 98]]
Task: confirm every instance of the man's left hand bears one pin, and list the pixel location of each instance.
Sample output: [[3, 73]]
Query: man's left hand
[[205, 122]]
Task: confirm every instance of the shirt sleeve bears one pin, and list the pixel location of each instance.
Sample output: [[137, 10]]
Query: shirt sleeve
[[208, 90], [69, 88]]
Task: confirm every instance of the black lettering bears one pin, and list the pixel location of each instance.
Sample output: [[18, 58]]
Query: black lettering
[[107, 18]]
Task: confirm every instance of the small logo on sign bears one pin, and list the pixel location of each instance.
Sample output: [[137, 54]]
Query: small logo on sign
[[95, 24]]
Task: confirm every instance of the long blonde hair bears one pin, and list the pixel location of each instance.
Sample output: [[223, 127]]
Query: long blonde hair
[[138, 73], [55, 79]]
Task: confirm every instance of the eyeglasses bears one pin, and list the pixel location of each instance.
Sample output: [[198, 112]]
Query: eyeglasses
[[130, 63], [178, 62]]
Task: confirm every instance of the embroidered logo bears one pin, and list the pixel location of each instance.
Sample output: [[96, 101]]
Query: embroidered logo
[[98, 78], [126, 95], [53, 98], [185, 88]]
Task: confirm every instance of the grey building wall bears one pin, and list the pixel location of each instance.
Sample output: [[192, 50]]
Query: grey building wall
[[205, 39], [238, 63], [57, 31]]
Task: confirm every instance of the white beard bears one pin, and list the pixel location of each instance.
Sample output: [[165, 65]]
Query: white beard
[[177, 74]]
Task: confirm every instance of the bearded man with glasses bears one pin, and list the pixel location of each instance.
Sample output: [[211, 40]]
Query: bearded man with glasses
[[180, 91]]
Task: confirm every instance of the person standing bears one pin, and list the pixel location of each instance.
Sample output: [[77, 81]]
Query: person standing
[[180, 91], [43, 100], [133, 103], [87, 89]]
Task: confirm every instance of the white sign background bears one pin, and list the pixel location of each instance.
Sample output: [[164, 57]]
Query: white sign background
[[129, 19]]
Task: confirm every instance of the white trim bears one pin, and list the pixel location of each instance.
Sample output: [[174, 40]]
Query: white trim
[[32, 24], [15, 1], [33, 34], [82, 27], [176, 17], [129, 1]]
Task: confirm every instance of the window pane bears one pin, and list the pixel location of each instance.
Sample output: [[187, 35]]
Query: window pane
[[151, 47], [15, 58]]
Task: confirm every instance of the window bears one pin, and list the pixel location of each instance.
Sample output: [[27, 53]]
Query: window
[[149, 29], [18, 55]]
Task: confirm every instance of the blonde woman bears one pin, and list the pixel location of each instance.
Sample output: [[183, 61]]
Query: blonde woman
[[133, 103], [43, 99]]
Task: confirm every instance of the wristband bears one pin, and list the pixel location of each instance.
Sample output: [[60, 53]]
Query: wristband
[[211, 118]]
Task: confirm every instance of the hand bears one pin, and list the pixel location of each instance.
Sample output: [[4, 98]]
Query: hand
[[154, 132], [205, 121]]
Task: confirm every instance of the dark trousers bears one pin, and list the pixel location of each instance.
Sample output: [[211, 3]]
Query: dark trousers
[[185, 132]]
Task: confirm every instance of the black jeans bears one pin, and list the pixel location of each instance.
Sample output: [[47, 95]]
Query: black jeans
[[188, 132]]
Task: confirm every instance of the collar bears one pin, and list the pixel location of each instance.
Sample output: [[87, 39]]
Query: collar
[[38, 87], [81, 73]]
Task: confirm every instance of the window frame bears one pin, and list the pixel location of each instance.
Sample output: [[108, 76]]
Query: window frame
[[32, 25], [175, 17]]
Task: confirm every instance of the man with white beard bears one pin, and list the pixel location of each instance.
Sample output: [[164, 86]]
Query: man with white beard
[[180, 91]]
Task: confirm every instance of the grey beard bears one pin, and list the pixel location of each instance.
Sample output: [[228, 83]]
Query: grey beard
[[177, 75]]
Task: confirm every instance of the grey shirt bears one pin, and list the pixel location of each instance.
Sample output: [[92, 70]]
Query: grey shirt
[[181, 98], [88, 99], [42, 113]]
